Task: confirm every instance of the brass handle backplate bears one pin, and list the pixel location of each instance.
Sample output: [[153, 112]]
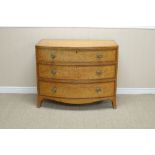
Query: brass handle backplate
[[54, 90], [98, 72], [99, 56], [53, 72], [53, 56], [98, 90]]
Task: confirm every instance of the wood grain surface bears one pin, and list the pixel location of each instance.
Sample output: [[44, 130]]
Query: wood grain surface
[[77, 43], [57, 56], [76, 72], [64, 90]]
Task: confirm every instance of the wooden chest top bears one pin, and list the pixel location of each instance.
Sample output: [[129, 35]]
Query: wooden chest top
[[106, 44]]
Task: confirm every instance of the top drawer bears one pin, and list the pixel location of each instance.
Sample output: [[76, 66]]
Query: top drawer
[[57, 55]]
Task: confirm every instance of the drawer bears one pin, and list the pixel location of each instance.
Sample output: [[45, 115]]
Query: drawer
[[76, 72], [51, 55], [67, 90]]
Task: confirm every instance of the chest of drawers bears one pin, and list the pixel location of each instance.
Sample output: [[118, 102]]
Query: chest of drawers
[[76, 71]]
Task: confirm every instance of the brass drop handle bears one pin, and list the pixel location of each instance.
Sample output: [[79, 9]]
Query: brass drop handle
[[99, 56], [54, 90], [98, 72], [53, 56], [98, 90], [53, 72]]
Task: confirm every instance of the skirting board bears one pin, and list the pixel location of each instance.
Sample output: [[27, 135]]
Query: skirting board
[[33, 90]]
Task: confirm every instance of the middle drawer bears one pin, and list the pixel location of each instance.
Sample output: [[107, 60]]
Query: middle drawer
[[76, 72]]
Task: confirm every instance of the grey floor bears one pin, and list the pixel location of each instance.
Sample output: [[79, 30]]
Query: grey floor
[[134, 111]]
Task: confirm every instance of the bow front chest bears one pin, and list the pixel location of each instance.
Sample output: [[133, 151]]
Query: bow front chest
[[76, 71]]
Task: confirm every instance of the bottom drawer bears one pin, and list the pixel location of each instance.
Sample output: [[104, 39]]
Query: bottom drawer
[[67, 90]]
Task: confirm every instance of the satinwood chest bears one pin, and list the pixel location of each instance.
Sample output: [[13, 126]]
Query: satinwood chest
[[76, 71]]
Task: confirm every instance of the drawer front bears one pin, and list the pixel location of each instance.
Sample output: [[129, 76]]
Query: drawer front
[[66, 90], [76, 72], [49, 55]]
